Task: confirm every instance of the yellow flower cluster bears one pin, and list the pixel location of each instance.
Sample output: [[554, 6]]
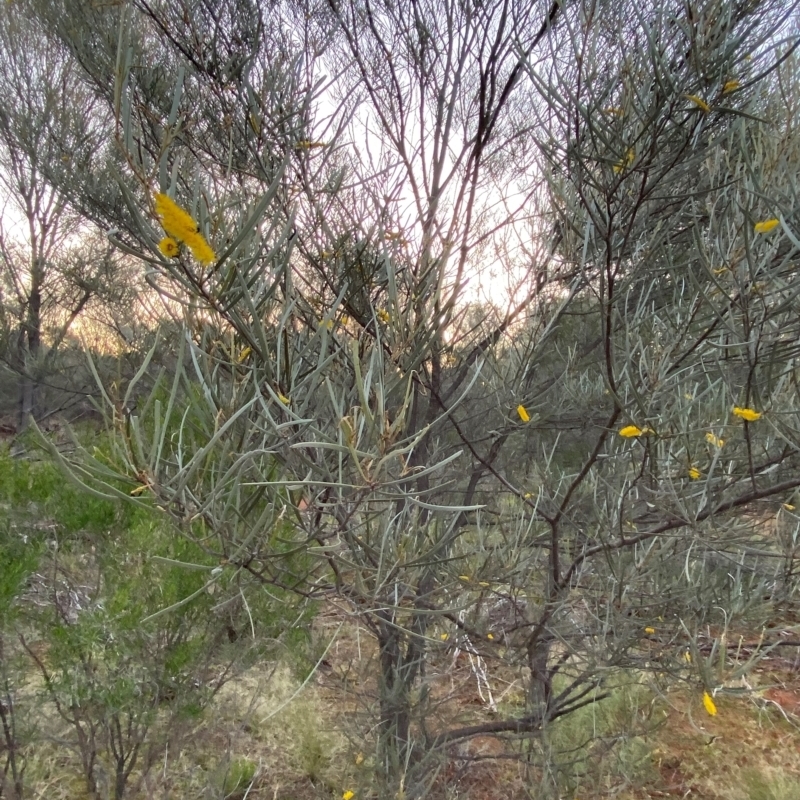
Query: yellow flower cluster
[[630, 157], [709, 704], [307, 144], [631, 431], [766, 226], [749, 414], [699, 102], [523, 413], [181, 227]]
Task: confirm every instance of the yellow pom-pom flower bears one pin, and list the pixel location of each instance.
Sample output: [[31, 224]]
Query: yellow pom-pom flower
[[175, 221], [200, 248], [169, 247], [713, 440], [694, 473]]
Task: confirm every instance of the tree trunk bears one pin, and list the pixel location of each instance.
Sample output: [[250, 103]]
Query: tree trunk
[[31, 346], [540, 688], [394, 745]]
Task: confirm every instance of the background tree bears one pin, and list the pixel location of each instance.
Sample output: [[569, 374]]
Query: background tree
[[51, 131]]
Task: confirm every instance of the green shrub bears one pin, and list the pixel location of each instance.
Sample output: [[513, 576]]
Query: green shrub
[[19, 557], [601, 744], [238, 776], [39, 489], [773, 786], [132, 627]]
